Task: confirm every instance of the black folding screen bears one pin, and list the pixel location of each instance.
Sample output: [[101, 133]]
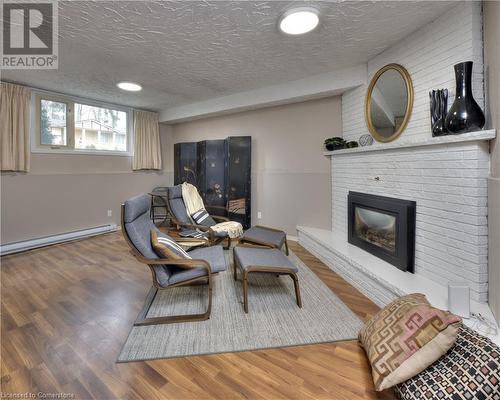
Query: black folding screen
[[185, 163], [212, 161], [238, 179], [221, 170]]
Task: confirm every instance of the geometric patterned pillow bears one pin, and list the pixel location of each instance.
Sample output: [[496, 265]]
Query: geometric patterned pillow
[[405, 337], [470, 370]]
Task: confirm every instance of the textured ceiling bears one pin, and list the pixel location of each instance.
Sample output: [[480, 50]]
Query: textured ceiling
[[182, 52]]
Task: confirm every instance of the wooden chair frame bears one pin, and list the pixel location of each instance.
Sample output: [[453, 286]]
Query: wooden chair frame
[[212, 239], [263, 244], [142, 318], [267, 269]]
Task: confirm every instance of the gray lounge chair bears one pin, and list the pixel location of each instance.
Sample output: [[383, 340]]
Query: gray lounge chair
[[180, 217], [167, 273]]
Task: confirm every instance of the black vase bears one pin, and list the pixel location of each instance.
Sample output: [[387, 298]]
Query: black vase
[[439, 104], [464, 115]]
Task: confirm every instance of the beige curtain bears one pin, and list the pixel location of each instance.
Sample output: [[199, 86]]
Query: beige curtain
[[147, 150], [14, 127]]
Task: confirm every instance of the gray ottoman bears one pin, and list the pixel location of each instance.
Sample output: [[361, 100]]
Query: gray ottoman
[[273, 261], [263, 236]]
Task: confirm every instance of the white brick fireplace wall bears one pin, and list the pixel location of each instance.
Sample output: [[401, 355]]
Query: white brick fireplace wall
[[429, 55], [449, 184], [447, 176]]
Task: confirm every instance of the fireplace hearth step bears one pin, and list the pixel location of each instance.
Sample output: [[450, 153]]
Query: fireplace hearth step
[[374, 277]]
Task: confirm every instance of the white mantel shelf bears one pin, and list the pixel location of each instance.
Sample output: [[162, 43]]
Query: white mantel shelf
[[440, 140]]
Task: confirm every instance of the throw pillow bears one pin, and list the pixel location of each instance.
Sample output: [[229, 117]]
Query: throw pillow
[[470, 370], [202, 217], [405, 337], [165, 247]]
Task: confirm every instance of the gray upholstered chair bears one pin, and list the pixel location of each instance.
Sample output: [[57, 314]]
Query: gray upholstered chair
[[167, 273], [180, 217]]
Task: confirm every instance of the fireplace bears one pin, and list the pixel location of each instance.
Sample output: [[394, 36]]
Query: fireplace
[[383, 226]]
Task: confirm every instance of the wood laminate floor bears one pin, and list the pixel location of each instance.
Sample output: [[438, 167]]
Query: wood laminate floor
[[66, 310]]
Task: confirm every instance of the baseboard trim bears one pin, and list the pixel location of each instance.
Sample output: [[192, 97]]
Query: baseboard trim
[[25, 245]]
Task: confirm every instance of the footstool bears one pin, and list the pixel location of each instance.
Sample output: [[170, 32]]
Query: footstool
[[273, 261], [262, 236]]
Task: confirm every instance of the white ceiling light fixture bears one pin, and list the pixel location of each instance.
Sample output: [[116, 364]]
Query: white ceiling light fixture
[[129, 86], [299, 20]]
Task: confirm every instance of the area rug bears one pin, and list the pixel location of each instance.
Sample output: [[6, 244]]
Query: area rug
[[274, 319]]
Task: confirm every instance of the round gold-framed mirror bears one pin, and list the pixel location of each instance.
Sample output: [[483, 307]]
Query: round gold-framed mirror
[[389, 103]]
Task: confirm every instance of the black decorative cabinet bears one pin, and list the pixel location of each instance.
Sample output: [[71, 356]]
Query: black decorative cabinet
[[185, 163], [221, 170]]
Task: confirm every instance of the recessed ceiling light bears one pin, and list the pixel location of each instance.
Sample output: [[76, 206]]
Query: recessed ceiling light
[[298, 21], [130, 86]]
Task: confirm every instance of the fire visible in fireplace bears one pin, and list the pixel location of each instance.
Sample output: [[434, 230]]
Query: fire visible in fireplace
[[376, 227]]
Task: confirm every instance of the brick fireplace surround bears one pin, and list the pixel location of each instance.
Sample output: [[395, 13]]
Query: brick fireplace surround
[[447, 177]]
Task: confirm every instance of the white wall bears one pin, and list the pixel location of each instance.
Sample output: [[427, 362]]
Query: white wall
[[290, 177], [69, 192], [429, 55]]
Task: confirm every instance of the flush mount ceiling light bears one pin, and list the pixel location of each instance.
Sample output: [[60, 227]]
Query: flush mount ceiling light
[[129, 86], [298, 21]]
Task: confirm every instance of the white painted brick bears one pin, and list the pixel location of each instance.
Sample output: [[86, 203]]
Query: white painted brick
[[376, 291], [435, 240], [429, 55], [449, 185], [448, 182]]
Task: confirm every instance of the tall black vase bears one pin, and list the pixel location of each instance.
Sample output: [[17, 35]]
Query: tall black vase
[[464, 115]]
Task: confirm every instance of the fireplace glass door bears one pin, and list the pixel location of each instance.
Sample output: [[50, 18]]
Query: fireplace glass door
[[383, 226], [377, 228]]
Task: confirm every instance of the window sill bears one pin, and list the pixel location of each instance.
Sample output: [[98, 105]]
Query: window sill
[[82, 152]]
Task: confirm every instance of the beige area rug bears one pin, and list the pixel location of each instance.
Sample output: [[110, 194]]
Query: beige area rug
[[274, 319]]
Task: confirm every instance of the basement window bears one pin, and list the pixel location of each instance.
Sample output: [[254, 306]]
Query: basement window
[[53, 122], [73, 126]]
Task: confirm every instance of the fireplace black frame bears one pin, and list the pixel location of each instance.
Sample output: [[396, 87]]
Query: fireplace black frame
[[404, 211]]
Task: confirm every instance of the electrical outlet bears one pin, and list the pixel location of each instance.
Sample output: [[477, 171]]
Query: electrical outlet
[[259, 215], [110, 213]]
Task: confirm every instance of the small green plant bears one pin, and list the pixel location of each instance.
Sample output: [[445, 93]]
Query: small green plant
[[352, 144], [335, 140], [335, 143]]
